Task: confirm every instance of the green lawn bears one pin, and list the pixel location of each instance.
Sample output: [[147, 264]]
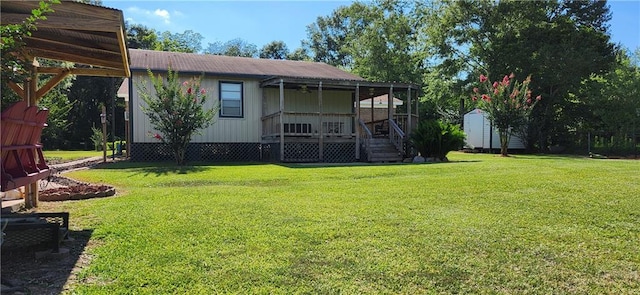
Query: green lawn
[[65, 156], [481, 224]]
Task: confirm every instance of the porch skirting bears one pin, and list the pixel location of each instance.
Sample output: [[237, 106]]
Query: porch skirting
[[294, 152]]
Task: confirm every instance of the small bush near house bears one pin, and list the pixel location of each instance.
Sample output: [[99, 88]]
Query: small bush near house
[[435, 139], [96, 138], [176, 110]]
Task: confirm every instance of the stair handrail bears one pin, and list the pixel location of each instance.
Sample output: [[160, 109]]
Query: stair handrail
[[396, 135], [366, 137]]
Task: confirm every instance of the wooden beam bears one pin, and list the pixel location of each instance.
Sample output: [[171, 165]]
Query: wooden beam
[[64, 43], [17, 89], [63, 22], [281, 120], [72, 10], [357, 123], [124, 52], [409, 119], [389, 109], [51, 83], [321, 138], [111, 61], [98, 72]]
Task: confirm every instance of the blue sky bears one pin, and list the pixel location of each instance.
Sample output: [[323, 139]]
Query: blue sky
[[260, 22]]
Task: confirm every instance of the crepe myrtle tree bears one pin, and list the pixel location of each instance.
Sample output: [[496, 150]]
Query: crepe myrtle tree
[[507, 103], [176, 110]]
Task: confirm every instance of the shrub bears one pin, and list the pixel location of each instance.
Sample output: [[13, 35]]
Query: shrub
[[177, 110], [435, 139], [96, 138]]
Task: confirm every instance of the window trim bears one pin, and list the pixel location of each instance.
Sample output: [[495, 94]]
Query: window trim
[[220, 83]]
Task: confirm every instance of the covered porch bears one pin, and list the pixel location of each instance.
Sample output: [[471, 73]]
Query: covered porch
[[320, 120]]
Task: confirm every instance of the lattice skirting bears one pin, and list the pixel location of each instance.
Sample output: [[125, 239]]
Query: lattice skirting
[[340, 152], [296, 152], [208, 152]]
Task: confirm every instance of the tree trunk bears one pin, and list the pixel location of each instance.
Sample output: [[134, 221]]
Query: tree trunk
[[504, 141]]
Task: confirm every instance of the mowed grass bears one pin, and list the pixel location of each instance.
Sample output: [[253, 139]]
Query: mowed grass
[[66, 156], [480, 224]]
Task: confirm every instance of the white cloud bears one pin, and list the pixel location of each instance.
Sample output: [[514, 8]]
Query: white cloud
[[150, 16], [164, 14]]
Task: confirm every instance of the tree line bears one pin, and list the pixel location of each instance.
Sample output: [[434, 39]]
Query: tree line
[[588, 83]]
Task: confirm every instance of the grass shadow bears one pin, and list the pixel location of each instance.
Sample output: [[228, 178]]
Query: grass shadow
[[24, 273], [365, 164], [166, 168]]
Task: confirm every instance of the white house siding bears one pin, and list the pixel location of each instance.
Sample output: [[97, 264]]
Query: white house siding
[[224, 130]]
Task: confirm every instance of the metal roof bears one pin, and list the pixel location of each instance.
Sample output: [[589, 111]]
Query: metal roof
[[235, 66]]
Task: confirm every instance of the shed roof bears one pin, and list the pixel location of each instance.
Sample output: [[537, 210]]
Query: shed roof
[[235, 66]]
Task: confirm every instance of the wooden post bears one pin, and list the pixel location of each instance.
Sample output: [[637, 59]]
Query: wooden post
[[373, 118], [126, 128], [321, 138], [281, 120], [390, 110], [407, 129], [103, 120], [30, 89], [357, 122], [417, 110]]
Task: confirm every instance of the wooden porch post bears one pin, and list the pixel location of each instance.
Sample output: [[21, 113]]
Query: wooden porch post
[[417, 109], [31, 98], [390, 110], [373, 118], [321, 138], [357, 122], [408, 129], [281, 120]]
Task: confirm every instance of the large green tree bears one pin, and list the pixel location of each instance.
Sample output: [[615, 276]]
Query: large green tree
[[558, 43], [611, 102], [141, 37], [235, 47], [187, 41], [376, 40], [274, 50]]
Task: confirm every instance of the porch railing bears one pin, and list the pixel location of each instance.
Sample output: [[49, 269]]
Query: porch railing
[[365, 136], [403, 121], [396, 135], [308, 124]]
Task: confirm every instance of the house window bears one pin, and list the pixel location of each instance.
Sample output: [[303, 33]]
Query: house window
[[231, 99]]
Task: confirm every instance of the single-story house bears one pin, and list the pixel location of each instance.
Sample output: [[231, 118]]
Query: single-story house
[[273, 110]]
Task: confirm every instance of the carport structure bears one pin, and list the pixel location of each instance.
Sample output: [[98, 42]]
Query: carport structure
[[92, 37]]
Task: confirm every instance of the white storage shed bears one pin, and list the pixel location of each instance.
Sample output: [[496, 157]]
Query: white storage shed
[[482, 135]]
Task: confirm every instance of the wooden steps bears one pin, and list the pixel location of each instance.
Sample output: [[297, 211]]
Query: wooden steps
[[382, 150]]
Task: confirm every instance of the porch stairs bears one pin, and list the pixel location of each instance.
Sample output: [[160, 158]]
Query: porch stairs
[[382, 150]]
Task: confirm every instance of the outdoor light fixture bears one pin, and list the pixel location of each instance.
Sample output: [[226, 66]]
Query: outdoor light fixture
[[303, 89], [371, 91], [103, 118]]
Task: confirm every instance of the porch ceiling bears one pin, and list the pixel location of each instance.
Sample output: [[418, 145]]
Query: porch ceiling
[[75, 32], [368, 89]]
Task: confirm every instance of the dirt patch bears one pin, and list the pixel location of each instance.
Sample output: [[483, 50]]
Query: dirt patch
[[35, 270], [24, 272]]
